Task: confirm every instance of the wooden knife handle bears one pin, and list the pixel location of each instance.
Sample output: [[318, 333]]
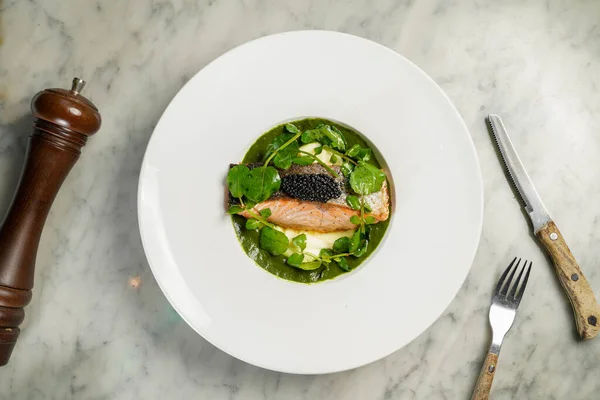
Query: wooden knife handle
[[486, 377], [583, 301]]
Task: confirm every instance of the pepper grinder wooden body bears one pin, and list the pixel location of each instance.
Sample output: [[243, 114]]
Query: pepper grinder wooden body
[[63, 120]]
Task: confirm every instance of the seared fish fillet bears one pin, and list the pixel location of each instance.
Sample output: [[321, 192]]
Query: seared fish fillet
[[310, 198]]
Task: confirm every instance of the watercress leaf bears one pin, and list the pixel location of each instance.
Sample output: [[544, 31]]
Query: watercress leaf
[[250, 205], [310, 266], [353, 150], [279, 141], [312, 135], [235, 209], [300, 241], [273, 241], [367, 208], [252, 223], [303, 160], [354, 242], [318, 150], [261, 183], [326, 253], [333, 159], [347, 168], [370, 220], [325, 134], [342, 245], [362, 249], [292, 128], [266, 213], [343, 264], [366, 178], [355, 220], [285, 156], [364, 154], [338, 132], [336, 138], [295, 259], [353, 202], [283, 160], [236, 178]]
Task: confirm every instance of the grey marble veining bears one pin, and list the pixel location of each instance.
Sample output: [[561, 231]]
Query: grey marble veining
[[99, 327]]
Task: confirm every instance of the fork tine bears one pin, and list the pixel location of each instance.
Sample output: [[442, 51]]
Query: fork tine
[[504, 290], [522, 290], [502, 278], [513, 290]]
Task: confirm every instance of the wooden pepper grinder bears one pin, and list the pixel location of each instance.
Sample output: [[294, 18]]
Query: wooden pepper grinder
[[63, 120]]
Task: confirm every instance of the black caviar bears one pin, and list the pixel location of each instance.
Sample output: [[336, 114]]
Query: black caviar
[[311, 187]]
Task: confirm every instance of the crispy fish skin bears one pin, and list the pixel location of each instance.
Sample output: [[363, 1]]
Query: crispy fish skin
[[330, 216]]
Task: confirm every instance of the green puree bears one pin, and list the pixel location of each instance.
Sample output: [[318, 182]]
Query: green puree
[[276, 264]]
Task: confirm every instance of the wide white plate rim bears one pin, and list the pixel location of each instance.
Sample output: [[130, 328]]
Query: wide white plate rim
[[231, 52]]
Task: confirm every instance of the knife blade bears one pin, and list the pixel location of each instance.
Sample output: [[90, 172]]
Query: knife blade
[[585, 308]]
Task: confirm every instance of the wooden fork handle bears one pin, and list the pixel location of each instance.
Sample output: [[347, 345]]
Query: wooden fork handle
[[486, 376], [581, 295]]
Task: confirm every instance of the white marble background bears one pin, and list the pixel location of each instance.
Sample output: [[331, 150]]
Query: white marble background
[[90, 335]]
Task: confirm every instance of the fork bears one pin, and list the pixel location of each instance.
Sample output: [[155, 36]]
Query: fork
[[502, 315]]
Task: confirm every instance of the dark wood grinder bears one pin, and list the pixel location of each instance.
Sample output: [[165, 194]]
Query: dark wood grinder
[[63, 120]]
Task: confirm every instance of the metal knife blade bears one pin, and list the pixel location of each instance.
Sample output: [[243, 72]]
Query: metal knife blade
[[585, 307], [533, 202]]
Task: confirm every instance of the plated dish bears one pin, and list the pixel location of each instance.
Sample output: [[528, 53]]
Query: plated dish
[[309, 201], [356, 317]]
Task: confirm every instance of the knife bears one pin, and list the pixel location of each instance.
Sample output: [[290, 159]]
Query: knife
[[585, 308]]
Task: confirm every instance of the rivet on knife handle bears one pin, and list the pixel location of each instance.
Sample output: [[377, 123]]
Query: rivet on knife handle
[[581, 296], [580, 293]]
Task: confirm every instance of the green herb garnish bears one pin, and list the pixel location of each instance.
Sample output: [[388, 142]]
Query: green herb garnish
[[261, 183], [366, 178], [353, 151], [235, 209], [326, 135], [252, 223], [310, 266], [295, 259], [306, 160], [370, 220], [343, 264], [347, 168], [342, 245], [273, 241], [300, 241], [235, 180], [353, 202]]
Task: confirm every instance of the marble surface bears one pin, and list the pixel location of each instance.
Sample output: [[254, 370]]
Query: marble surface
[[100, 328]]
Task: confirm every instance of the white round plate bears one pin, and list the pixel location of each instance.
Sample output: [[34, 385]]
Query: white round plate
[[357, 318]]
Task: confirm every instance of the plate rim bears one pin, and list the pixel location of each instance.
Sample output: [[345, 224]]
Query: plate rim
[[144, 166]]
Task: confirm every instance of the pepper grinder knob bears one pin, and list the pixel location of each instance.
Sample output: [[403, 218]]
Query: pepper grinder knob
[[78, 85], [63, 120]]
